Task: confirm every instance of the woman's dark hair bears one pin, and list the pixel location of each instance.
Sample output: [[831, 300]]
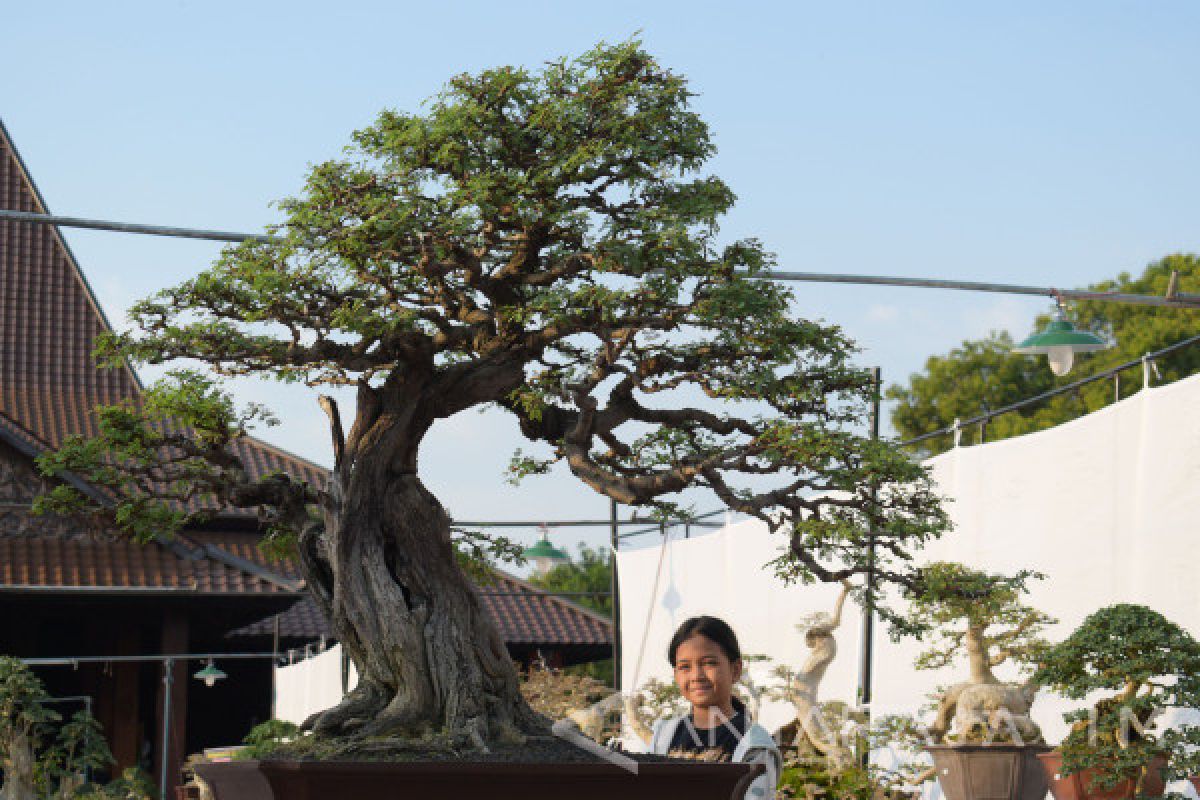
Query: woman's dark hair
[[717, 630]]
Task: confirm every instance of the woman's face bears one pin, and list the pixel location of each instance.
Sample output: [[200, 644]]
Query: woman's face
[[704, 674]]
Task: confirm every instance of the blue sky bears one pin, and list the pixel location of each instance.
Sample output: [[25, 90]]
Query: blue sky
[[1023, 142]]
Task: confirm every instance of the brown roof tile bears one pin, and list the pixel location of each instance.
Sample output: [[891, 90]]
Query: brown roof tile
[[56, 564]]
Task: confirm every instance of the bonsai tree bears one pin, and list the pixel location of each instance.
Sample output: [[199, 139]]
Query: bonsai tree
[[78, 750], [811, 731], [543, 243], [978, 615], [267, 736], [24, 722], [1147, 664], [39, 759]]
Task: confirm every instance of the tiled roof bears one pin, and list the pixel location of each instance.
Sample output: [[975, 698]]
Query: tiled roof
[[49, 323], [524, 614], [60, 565], [527, 615]]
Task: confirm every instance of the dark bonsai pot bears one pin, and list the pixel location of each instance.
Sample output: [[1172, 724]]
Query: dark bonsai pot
[[990, 771], [1079, 785], [344, 780], [235, 780]]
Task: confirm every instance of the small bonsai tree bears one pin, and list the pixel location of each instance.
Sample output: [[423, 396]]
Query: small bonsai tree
[[980, 616], [39, 758], [1149, 664], [24, 722], [78, 750], [133, 784], [265, 737], [814, 730]]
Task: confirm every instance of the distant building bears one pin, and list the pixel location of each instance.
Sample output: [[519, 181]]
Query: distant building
[[544, 555]]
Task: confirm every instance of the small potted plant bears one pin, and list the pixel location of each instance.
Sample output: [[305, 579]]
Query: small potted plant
[[983, 742], [1148, 664]]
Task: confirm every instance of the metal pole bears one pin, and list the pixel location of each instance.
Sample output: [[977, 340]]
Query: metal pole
[[1177, 300], [616, 596], [133, 227], [1171, 299], [168, 679], [565, 523], [868, 625], [74, 661]]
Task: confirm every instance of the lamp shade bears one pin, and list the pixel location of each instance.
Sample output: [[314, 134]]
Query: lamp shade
[[1059, 341], [210, 674]]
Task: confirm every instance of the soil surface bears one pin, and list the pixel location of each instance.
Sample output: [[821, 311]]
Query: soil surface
[[535, 750]]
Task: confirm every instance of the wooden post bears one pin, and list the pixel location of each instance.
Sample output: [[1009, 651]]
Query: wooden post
[[124, 731], [172, 711]]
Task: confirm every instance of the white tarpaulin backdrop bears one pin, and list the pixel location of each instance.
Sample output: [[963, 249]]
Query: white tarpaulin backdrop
[[311, 685], [1107, 506]]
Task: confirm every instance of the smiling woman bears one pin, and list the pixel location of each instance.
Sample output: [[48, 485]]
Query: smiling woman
[[707, 660]]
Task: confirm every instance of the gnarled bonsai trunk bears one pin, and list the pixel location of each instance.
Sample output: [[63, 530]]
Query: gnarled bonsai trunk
[[979, 658], [17, 764], [810, 727], [384, 572], [983, 707]]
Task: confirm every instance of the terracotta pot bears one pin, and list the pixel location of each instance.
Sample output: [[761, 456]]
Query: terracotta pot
[[1079, 785], [990, 771], [1195, 781], [334, 780]]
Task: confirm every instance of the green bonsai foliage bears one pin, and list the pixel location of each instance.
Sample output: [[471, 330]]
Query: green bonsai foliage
[[133, 784], [266, 737], [24, 723], [981, 616], [1148, 664], [41, 759], [79, 749]]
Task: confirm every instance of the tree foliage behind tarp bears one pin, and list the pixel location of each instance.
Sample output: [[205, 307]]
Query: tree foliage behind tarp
[[590, 571], [984, 374]]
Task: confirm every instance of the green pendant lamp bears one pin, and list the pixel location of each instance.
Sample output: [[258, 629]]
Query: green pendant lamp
[[1059, 342], [210, 674]]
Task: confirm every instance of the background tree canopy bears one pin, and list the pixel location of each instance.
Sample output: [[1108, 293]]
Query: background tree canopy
[[590, 571], [984, 374]]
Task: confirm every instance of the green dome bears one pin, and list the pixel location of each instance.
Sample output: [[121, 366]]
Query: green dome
[[544, 549]]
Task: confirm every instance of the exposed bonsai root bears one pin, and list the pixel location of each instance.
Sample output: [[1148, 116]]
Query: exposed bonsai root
[[359, 707]]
